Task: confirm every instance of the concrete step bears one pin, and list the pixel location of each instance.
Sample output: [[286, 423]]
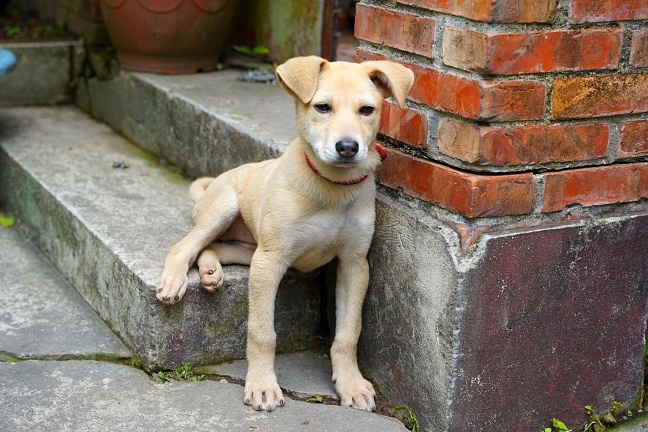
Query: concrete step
[[42, 316], [61, 368], [105, 214]]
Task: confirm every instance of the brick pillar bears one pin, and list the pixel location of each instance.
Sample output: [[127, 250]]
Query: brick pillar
[[527, 118]]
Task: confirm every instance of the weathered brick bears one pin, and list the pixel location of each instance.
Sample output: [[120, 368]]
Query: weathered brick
[[364, 55], [477, 99], [522, 145], [599, 96], [522, 11], [608, 10], [520, 53], [406, 125], [595, 186], [403, 31], [633, 141], [639, 48], [470, 195]]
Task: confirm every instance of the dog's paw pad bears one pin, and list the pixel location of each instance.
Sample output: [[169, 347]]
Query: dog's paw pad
[[211, 279]]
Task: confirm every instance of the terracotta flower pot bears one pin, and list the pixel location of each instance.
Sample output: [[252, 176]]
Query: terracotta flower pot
[[168, 36]]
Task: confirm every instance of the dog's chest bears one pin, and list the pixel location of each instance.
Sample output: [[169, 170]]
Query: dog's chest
[[320, 237]]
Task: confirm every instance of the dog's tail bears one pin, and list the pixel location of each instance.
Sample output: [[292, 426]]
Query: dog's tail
[[197, 187]]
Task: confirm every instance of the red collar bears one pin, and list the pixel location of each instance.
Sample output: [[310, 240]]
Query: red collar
[[381, 151]]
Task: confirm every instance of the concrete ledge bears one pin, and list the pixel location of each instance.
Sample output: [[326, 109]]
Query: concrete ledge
[[108, 230], [45, 73], [203, 123]]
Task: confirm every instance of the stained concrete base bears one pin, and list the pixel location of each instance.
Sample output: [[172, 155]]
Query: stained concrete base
[[531, 324], [108, 231]]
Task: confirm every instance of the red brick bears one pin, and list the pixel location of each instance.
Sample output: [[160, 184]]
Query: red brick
[[522, 145], [607, 10], [477, 99], [633, 141], [595, 186], [519, 53], [522, 11], [406, 125], [364, 55], [470, 195], [403, 31], [599, 96], [639, 48]]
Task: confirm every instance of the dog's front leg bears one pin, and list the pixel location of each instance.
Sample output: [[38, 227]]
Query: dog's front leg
[[261, 388], [351, 387]]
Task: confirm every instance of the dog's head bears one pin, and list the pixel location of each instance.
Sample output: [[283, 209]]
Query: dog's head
[[339, 103]]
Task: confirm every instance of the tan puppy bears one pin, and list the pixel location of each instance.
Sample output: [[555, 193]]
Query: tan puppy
[[314, 203]]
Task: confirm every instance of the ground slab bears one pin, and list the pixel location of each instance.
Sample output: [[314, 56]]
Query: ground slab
[[94, 396], [304, 374]]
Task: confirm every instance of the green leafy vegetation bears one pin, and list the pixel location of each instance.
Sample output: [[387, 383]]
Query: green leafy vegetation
[[412, 423], [181, 373], [6, 221]]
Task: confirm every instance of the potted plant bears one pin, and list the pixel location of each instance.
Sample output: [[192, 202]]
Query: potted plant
[[168, 36]]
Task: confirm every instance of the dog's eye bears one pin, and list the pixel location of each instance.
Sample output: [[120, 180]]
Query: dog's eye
[[366, 110], [323, 108]]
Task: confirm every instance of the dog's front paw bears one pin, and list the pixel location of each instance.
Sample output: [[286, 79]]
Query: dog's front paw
[[355, 391], [262, 392], [171, 288]]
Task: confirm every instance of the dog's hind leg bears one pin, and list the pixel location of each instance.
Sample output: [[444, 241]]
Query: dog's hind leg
[[210, 260], [213, 215]]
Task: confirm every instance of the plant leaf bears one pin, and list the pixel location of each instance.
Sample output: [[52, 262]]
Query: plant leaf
[[6, 221], [260, 50], [558, 424]]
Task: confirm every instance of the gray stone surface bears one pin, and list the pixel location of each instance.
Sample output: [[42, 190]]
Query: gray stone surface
[[108, 231], [204, 123], [44, 74], [94, 396], [305, 374], [42, 316]]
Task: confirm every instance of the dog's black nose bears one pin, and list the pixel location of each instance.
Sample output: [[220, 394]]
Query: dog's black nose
[[347, 148]]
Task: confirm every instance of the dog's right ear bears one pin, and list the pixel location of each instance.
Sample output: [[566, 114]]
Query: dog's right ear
[[299, 76]]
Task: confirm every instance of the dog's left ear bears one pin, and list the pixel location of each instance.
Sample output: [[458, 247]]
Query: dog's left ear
[[299, 76], [392, 79]]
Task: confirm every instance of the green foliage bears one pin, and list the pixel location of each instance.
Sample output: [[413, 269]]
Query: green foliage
[[6, 221], [10, 30], [412, 423], [258, 50], [557, 424], [316, 399], [181, 373]]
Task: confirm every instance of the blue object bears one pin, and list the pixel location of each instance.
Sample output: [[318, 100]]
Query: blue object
[[7, 61]]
